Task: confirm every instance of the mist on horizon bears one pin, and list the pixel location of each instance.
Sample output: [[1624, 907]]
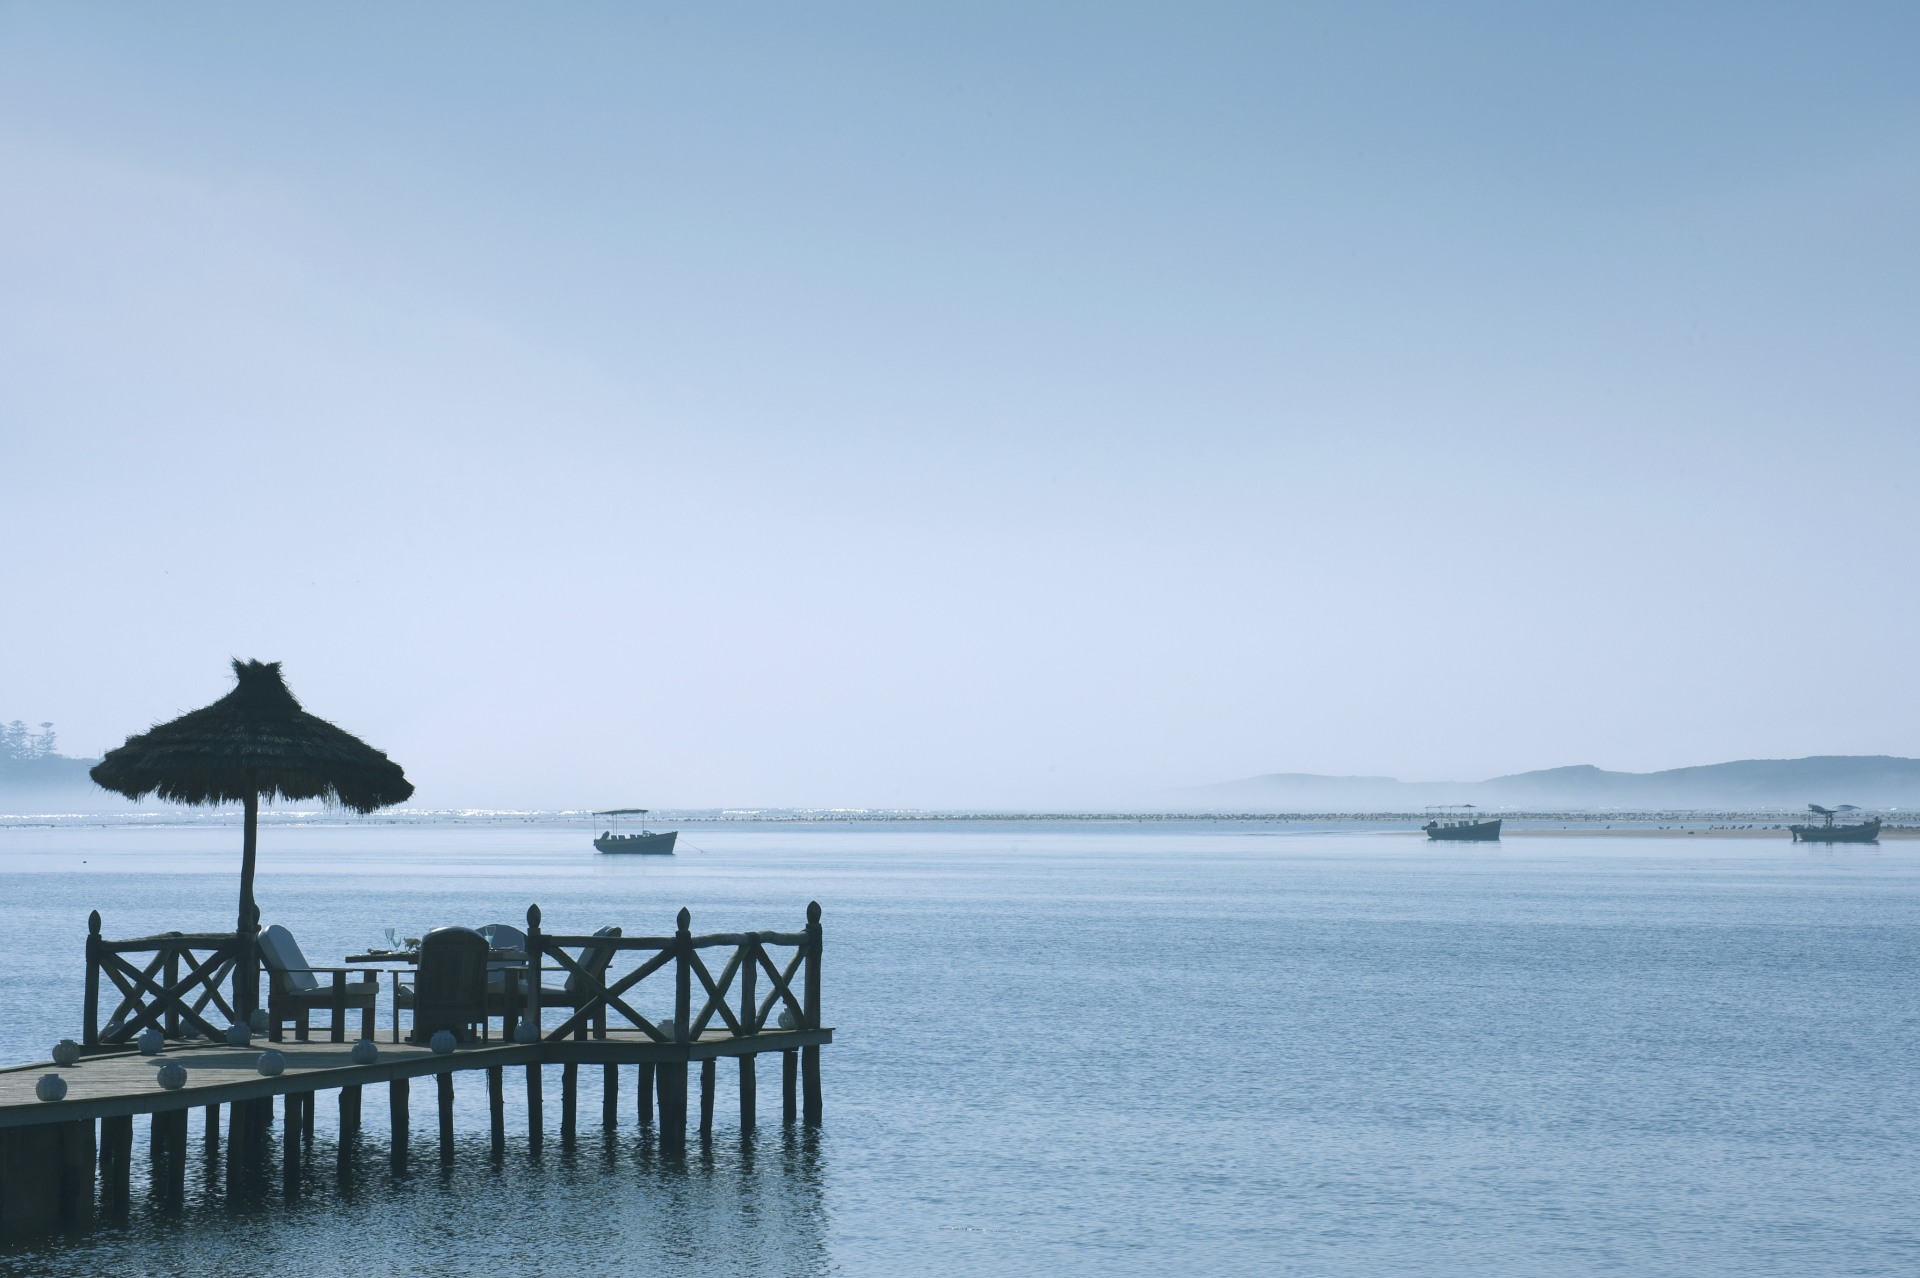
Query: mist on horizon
[[965, 409]]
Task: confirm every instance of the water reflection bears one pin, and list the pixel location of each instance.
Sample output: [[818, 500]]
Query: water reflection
[[613, 1204]]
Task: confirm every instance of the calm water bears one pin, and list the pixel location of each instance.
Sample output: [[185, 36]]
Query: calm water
[[1121, 1050]]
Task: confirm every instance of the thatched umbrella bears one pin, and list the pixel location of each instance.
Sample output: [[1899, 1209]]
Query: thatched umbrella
[[254, 741]]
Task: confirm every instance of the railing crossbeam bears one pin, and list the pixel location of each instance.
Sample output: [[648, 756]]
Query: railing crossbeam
[[782, 990], [717, 993], [604, 995]]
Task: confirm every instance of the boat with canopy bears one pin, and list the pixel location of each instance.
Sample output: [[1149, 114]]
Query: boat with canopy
[[1830, 831], [1460, 823], [643, 842]]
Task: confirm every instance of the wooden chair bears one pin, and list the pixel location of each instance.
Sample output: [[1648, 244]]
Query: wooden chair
[[450, 988], [595, 960], [504, 936], [294, 990]]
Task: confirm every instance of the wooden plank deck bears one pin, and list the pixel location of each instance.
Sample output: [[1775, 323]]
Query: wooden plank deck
[[122, 1083]]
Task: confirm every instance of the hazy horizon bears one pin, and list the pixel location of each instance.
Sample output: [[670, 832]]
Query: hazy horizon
[[866, 407]]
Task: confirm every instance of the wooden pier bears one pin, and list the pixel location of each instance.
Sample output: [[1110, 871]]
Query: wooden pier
[[66, 1162]]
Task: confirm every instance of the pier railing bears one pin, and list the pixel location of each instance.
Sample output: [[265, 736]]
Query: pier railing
[[598, 997], [170, 983]]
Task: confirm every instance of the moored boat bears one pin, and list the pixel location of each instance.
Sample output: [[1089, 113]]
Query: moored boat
[[1867, 831], [644, 843], [1458, 823]]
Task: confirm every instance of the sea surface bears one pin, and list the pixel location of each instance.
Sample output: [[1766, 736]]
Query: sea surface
[[1111, 1048]]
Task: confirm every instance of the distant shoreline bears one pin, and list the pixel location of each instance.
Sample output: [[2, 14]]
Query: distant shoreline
[[1643, 824], [1641, 832]]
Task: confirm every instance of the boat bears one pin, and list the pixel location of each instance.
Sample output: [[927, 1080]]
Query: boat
[[1459, 823], [644, 843], [1867, 831]]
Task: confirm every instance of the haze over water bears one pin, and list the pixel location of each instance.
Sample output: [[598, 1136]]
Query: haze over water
[[1015, 408], [1123, 1048], [966, 406]]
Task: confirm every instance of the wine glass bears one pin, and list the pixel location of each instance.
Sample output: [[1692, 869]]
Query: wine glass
[[389, 932]]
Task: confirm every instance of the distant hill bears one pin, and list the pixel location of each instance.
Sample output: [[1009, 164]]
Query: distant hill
[[1870, 781], [51, 781]]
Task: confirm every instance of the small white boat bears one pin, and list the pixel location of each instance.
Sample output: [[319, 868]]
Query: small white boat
[[645, 842]]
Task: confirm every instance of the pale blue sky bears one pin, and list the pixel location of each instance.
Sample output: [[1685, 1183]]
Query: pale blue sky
[[840, 404]]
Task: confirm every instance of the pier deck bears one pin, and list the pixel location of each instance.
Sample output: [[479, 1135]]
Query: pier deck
[[62, 1159], [119, 1083]]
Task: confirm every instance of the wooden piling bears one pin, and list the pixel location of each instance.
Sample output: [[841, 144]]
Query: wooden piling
[[789, 1087], [243, 1145], [397, 1112], [290, 1143], [707, 1072], [236, 1138], [644, 1088], [29, 1198], [497, 1111], [609, 1095], [116, 1166], [747, 1097], [810, 1085], [569, 1101], [672, 1079], [212, 1133], [259, 1131], [536, 1124], [77, 1157], [43, 1186], [349, 1131], [445, 1081], [306, 1123], [167, 1151]]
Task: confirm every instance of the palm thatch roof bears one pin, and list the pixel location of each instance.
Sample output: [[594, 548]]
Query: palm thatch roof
[[256, 740]]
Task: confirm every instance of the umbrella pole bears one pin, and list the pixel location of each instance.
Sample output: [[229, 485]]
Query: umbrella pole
[[246, 991]]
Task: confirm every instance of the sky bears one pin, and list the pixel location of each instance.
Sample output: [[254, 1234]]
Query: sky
[[965, 406]]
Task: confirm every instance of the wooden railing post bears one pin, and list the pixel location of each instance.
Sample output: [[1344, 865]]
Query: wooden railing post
[[170, 1022], [749, 969], [533, 972], [812, 996], [90, 1032], [671, 1076], [810, 1056], [536, 1103], [683, 976]]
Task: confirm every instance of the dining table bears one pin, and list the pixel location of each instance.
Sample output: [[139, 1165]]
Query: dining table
[[511, 963]]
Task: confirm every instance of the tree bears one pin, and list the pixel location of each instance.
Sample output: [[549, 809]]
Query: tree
[[13, 741], [44, 743]]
